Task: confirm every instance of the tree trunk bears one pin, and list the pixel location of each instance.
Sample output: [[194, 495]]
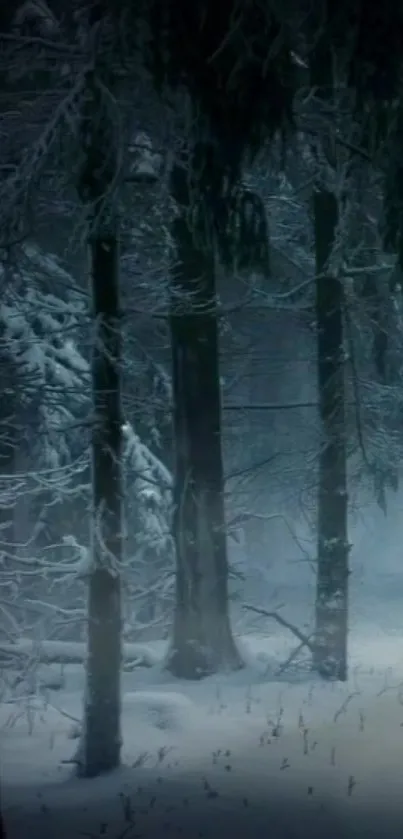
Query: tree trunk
[[100, 745], [330, 657], [102, 738], [202, 638]]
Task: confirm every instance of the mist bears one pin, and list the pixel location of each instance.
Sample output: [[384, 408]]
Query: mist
[[201, 438]]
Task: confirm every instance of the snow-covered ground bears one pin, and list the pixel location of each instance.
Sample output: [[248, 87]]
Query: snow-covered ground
[[247, 754]]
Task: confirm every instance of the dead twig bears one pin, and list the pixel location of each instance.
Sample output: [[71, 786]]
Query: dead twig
[[293, 655], [305, 640], [345, 704]]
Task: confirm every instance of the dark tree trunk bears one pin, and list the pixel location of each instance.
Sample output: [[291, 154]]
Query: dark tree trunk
[[330, 656], [99, 749], [102, 739], [202, 638]]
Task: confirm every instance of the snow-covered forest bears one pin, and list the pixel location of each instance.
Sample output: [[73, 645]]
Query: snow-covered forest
[[201, 429]]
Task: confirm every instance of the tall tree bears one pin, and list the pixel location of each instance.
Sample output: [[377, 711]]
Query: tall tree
[[202, 641], [231, 115], [331, 610], [331, 629], [365, 39], [101, 743]]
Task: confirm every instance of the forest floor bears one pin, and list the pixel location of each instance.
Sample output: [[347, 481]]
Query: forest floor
[[251, 753]]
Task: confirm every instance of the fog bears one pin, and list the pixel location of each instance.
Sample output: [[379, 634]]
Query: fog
[[261, 750], [201, 447], [273, 747]]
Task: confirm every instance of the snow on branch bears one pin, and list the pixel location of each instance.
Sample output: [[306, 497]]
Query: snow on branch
[[152, 489]]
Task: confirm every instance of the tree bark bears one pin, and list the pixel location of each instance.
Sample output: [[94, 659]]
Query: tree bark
[[102, 738], [202, 639], [330, 653]]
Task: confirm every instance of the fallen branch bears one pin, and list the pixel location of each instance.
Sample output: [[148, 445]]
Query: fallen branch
[[305, 640], [64, 713], [71, 652], [286, 664]]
